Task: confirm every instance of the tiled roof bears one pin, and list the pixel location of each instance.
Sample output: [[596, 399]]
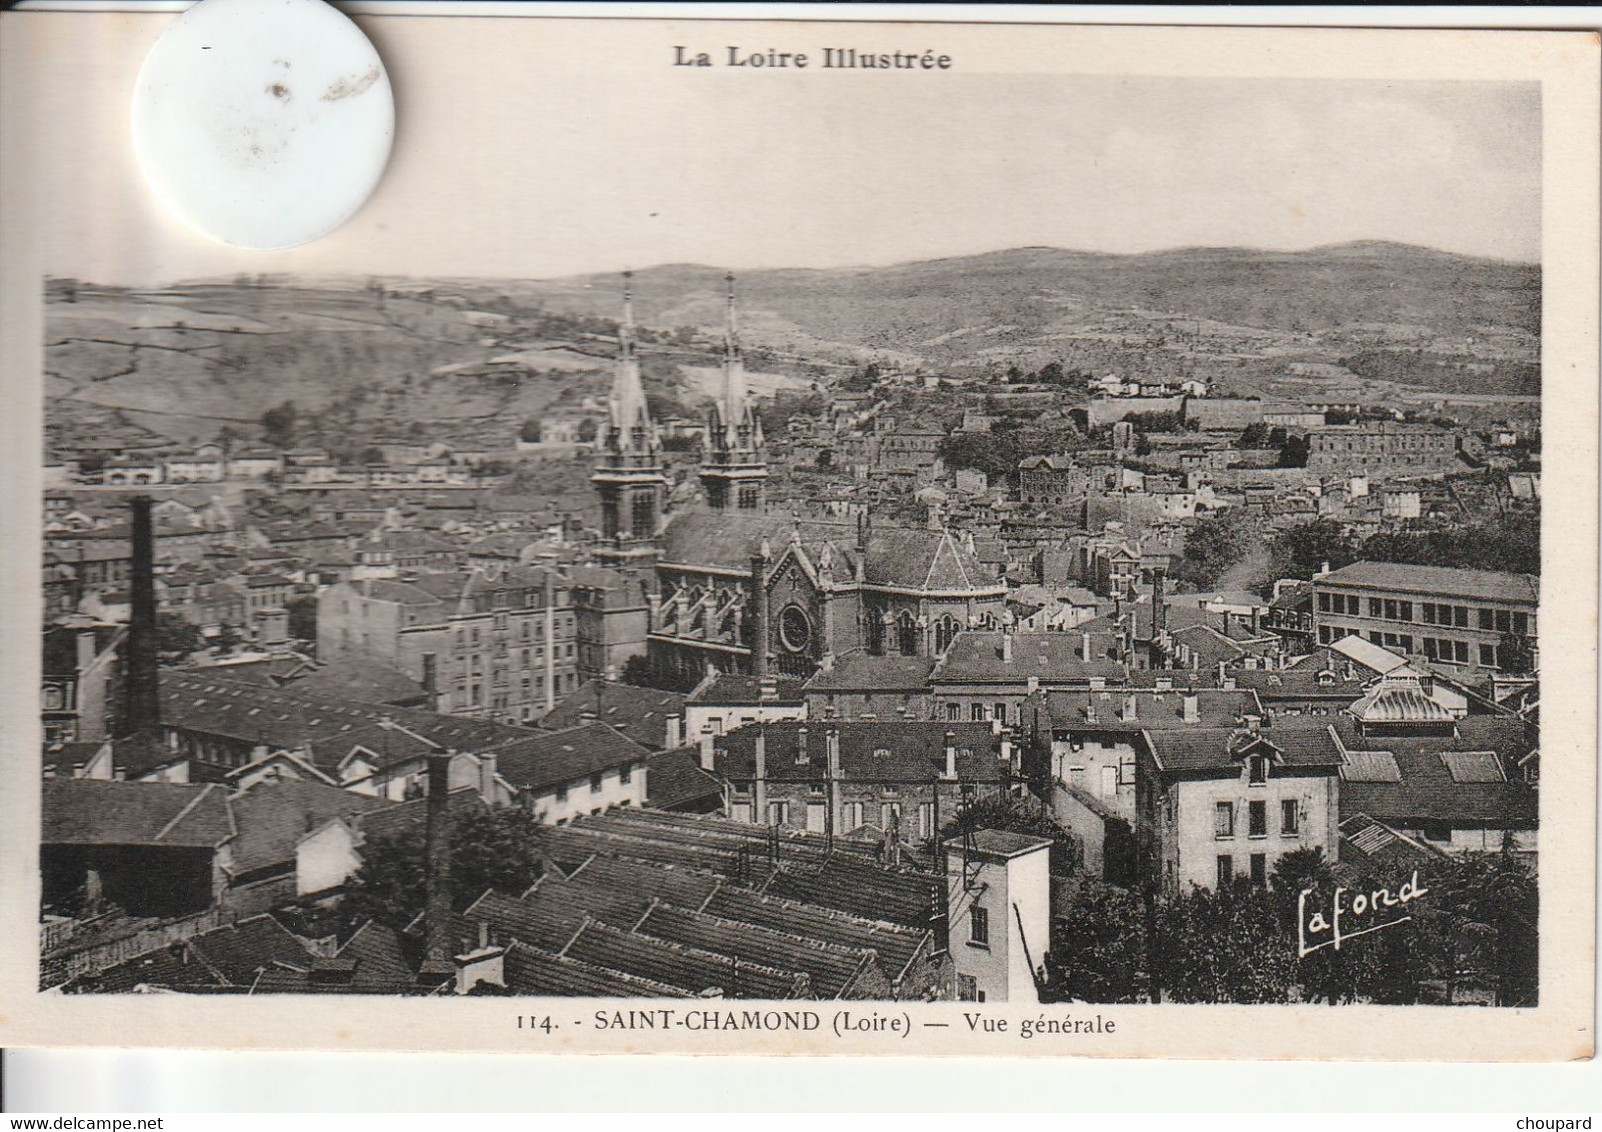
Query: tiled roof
[[1370, 850], [534, 971], [274, 815], [978, 656], [360, 679], [830, 968], [209, 702], [895, 945], [691, 969], [875, 751], [639, 713], [1427, 791], [733, 688], [163, 969], [1437, 581], [859, 671], [554, 759], [675, 778], [1297, 684], [85, 811], [410, 819], [861, 888], [1301, 742], [241, 951], [1152, 709]]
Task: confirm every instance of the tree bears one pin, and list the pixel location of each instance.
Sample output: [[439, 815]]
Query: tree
[[586, 430], [995, 453], [176, 637], [1301, 551], [1224, 946], [227, 639], [496, 849], [302, 610], [1516, 654], [1213, 545], [1098, 947], [530, 432], [279, 424]]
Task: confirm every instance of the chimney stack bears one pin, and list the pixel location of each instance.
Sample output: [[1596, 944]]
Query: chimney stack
[[488, 765], [833, 743], [674, 737], [951, 756], [1159, 611], [437, 857], [1131, 710], [1192, 709], [759, 605], [1006, 646], [708, 750], [802, 756], [1084, 647], [768, 688], [760, 789], [142, 703]]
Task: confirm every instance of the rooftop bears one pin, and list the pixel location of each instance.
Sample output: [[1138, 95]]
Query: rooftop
[[1437, 581]]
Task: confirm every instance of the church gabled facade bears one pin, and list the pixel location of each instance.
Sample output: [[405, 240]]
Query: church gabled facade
[[744, 590]]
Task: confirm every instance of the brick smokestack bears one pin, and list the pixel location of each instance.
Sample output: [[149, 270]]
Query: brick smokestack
[[437, 857], [759, 606], [142, 690]]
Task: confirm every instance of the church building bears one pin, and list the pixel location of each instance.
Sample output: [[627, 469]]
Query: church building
[[745, 590]]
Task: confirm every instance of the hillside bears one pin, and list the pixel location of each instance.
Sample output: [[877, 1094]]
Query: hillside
[[1353, 320]]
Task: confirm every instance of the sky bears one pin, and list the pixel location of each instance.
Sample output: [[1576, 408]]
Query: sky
[[499, 171]]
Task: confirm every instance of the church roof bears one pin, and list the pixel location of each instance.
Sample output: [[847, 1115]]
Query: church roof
[[903, 557]]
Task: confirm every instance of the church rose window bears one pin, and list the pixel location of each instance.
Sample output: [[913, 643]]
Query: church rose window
[[795, 631]]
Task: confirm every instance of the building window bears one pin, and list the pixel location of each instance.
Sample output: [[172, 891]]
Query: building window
[[1290, 818], [626, 775], [1257, 770], [561, 793], [1488, 656], [1259, 869], [1257, 819], [953, 713], [595, 783], [976, 712], [778, 813], [1224, 819], [968, 989], [1226, 871], [979, 926]]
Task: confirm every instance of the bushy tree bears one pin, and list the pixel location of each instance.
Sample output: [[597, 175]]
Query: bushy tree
[[1098, 947], [1213, 545], [279, 424], [489, 849]]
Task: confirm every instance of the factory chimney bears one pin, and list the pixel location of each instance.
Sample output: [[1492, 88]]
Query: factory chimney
[[437, 858], [142, 695]]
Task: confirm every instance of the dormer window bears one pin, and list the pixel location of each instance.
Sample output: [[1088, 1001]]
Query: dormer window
[[1257, 770]]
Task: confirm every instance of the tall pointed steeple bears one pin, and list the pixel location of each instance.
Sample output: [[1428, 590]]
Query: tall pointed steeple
[[733, 467], [628, 475]]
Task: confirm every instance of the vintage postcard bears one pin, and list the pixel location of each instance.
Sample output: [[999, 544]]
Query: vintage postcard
[[813, 537]]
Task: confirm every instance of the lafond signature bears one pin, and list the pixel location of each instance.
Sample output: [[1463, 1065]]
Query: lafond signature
[[1367, 912]]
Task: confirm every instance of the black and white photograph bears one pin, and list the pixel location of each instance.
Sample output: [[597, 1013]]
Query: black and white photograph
[[906, 534]]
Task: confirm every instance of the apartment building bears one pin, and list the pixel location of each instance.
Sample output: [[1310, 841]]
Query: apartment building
[[1456, 619]]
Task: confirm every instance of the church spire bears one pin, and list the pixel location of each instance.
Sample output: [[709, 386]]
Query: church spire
[[628, 473], [735, 410], [630, 428], [733, 468]]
